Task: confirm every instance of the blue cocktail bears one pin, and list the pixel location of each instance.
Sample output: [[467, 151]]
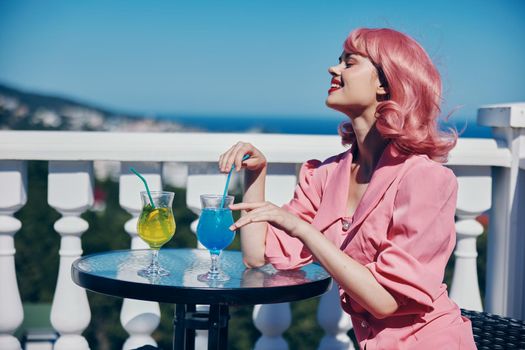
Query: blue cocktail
[[213, 232]]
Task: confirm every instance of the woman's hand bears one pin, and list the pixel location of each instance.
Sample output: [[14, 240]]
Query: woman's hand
[[235, 154], [269, 212]]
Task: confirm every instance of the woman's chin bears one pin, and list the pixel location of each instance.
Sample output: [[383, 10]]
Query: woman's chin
[[335, 106], [330, 104]]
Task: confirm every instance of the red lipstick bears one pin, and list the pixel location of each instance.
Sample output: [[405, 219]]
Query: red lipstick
[[335, 84]]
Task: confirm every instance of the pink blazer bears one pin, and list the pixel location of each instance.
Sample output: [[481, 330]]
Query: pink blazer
[[402, 231]]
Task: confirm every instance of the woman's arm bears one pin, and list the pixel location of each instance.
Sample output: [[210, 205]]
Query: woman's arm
[[354, 278], [253, 236]]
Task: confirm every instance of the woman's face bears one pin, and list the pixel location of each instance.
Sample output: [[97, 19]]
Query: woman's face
[[355, 85]]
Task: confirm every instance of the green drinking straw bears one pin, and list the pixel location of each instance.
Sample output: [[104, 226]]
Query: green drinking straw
[[145, 184], [246, 156]]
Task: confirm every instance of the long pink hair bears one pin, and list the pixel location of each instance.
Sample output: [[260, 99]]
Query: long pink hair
[[408, 116]]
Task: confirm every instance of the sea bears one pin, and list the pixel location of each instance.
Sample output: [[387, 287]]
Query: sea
[[466, 127]]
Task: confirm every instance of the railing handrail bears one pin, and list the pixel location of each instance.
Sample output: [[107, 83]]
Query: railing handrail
[[205, 147], [143, 146]]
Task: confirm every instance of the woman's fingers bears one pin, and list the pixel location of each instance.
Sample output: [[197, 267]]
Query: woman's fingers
[[235, 155], [263, 214], [224, 158], [257, 212], [244, 149], [230, 157], [267, 212]]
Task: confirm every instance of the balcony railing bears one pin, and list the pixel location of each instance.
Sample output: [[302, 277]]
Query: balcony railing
[[490, 173]]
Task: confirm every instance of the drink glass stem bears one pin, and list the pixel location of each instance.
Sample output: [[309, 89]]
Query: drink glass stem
[[214, 268], [155, 260]]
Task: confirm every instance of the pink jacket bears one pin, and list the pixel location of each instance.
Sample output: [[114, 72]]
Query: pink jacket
[[402, 231]]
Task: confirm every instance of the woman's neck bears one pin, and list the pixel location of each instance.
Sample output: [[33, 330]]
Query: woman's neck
[[370, 144]]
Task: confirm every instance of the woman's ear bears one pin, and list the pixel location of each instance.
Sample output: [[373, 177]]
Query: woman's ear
[[382, 93], [381, 90]]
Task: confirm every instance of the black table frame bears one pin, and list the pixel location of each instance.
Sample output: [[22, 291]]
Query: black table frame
[[186, 318]]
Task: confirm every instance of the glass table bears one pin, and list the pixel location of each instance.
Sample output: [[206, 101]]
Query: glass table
[[115, 273]]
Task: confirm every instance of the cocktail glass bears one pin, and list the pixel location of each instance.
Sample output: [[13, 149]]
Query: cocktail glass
[[213, 232], [156, 226]]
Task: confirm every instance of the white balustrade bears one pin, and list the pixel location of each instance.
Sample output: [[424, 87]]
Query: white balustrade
[[334, 321], [13, 190], [505, 284], [70, 192], [474, 198], [71, 154], [272, 320], [139, 318]]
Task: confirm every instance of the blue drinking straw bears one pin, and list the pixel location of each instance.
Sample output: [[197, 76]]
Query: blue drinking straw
[[145, 184], [246, 156]]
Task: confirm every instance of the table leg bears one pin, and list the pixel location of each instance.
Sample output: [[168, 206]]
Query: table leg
[[190, 332], [187, 320], [213, 330], [218, 330], [179, 327], [223, 333]]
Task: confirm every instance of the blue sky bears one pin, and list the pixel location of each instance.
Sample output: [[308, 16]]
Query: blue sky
[[258, 57]]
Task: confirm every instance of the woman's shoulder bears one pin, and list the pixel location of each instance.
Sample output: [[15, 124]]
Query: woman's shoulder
[[325, 166], [420, 168], [320, 170]]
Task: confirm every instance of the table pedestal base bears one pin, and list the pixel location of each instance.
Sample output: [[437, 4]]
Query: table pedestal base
[[187, 320]]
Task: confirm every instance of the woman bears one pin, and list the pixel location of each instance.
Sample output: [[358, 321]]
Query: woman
[[379, 217]]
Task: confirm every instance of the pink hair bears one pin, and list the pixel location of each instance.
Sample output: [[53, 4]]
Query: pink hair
[[408, 117]]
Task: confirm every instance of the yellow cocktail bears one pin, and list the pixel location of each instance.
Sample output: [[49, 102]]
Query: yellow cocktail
[[156, 226]]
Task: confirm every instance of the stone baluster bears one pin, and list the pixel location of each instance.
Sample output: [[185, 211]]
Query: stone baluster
[[70, 192], [13, 187], [474, 198], [272, 320], [203, 178], [505, 285], [334, 321], [138, 317]]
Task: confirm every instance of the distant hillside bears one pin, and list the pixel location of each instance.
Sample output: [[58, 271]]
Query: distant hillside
[[21, 110], [33, 101]]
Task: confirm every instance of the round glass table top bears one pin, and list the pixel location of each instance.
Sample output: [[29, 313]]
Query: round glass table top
[[115, 273]]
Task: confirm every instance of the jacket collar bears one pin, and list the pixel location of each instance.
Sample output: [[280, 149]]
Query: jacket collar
[[335, 196]]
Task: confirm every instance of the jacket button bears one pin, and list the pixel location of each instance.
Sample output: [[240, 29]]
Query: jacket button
[[346, 225], [364, 324]]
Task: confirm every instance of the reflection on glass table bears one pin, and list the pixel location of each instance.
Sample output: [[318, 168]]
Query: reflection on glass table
[[115, 273]]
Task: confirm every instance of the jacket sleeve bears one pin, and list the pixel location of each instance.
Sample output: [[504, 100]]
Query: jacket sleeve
[[283, 251], [410, 262]]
